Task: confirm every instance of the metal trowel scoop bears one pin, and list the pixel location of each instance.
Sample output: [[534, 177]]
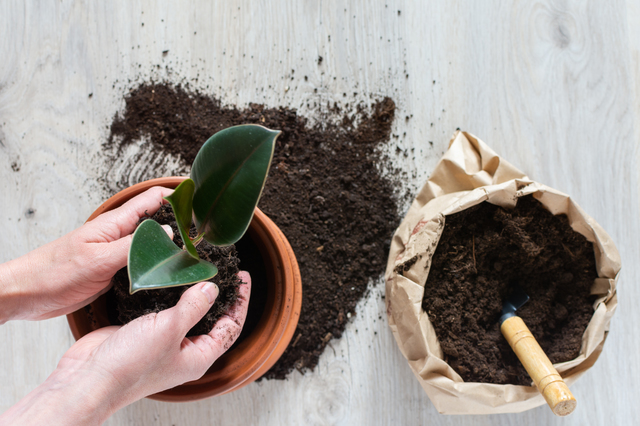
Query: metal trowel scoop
[[535, 361]]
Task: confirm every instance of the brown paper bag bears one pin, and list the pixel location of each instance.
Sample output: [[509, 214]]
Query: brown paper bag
[[468, 174]]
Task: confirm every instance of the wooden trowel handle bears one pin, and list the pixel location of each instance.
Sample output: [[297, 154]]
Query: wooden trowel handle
[[537, 364]]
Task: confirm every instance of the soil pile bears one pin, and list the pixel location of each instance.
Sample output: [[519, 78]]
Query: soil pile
[[325, 192], [132, 306], [483, 252]]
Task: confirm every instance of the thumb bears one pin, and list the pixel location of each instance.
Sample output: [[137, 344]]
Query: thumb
[[193, 305]]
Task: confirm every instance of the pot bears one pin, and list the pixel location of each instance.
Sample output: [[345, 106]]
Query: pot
[[258, 351]]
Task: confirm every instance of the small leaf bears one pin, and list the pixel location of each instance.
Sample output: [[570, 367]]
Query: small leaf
[[229, 173], [182, 201], [156, 262]]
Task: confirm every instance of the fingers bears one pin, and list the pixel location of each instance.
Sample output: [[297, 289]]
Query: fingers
[[192, 306], [126, 217], [228, 328], [245, 287]]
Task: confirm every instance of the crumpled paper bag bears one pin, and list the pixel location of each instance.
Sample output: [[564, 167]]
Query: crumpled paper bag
[[468, 174]]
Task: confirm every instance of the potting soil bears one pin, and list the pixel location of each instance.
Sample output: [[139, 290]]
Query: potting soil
[[482, 254], [325, 191], [131, 306]]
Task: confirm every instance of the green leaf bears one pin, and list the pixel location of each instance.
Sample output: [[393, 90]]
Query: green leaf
[[182, 201], [229, 173], [156, 262]]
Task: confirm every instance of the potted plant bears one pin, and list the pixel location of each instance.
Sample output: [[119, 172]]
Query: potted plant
[[225, 184], [455, 215]]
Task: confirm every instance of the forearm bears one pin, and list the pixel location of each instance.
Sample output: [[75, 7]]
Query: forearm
[[67, 398]]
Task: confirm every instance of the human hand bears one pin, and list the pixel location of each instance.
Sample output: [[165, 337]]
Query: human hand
[[151, 353], [74, 270], [115, 366]]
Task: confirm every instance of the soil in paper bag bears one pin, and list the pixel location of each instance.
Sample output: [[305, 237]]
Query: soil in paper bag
[[482, 252]]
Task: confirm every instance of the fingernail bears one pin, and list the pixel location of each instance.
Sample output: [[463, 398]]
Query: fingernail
[[211, 291], [168, 230]]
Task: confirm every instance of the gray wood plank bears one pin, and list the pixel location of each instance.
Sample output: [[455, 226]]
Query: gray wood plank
[[546, 83]]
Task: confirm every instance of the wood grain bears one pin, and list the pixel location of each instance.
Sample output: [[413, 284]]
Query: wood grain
[[548, 84], [633, 20]]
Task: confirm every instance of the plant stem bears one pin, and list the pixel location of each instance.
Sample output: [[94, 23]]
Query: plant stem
[[198, 239]]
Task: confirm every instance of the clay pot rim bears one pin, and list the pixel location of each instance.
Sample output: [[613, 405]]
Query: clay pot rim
[[257, 353]]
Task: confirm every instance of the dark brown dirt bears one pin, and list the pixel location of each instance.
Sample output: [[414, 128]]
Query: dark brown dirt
[[132, 306], [482, 253], [325, 192]]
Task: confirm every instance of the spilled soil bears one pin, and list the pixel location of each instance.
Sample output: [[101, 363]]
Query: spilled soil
[[325, 191], [482, 254]]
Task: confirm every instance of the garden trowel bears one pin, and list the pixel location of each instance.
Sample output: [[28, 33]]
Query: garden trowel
[[535, 361]]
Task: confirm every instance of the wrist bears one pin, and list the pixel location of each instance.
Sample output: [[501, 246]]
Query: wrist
[[27, 283], [68, 397], [12, 293]]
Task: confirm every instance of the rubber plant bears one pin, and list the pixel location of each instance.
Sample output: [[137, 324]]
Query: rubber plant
[[226, 181]]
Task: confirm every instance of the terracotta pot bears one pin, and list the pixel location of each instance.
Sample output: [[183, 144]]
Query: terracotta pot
[[260, 349]]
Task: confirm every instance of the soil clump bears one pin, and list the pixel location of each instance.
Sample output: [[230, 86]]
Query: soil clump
[[483, 252], [325, 191]]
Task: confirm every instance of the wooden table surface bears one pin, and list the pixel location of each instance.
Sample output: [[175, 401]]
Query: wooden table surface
[[552, 86]]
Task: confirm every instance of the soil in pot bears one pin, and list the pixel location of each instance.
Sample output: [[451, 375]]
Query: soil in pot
[[482, 252], [124, 307], [325, 191]]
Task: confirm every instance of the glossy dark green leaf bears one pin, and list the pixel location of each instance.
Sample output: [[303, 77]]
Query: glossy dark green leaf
[[229, 173], [156, 262], [181, 201]]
